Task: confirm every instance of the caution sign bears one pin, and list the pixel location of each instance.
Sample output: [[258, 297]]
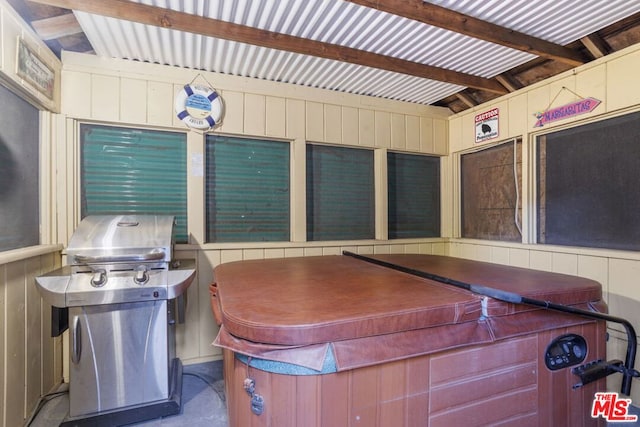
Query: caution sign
[[487, 126]]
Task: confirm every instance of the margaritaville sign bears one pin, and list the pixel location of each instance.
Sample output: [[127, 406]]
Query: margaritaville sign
[[582, 106]]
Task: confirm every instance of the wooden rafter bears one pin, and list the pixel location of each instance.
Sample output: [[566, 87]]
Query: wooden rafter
[[466, 99], [57, 26], [595, 45], [166, 18], [508, 81], [441, 17]]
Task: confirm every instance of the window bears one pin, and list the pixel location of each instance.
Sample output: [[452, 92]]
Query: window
[[413, 191], [19, 166], [491, 180], [247, 190], [587, 177], [340, 193], [130, 171]]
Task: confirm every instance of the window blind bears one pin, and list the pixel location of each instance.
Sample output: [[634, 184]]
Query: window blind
[[247, 190], [413, 190], [130, 171], [340, 193]]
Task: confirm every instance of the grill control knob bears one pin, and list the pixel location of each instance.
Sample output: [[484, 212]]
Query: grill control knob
[[99, 278], [142, 276]]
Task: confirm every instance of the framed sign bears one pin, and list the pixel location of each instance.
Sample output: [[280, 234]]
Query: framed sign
[[30, 67]]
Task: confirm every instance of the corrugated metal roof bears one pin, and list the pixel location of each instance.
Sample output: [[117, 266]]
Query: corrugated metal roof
[[560, 22], [346, 24]]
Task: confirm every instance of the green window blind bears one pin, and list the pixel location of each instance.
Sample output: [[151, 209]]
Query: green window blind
[[413, 196], [131, 171], [247, 190], [340, 193]]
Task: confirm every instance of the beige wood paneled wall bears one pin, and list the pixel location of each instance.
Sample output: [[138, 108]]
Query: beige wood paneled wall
[[128, 93], [30, 360], [612, 80]]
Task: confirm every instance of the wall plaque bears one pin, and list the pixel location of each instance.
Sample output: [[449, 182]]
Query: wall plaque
[[30, 67]]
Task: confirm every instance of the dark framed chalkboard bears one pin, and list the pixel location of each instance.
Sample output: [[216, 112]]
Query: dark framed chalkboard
[[19, 172], [588, 185]]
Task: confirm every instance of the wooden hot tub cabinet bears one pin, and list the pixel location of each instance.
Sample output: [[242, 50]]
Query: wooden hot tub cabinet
[[335, 341]]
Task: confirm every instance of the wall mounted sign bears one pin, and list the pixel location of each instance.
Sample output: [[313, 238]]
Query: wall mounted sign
[[34, 70], [582, 106], [199, 107], [487, 125]]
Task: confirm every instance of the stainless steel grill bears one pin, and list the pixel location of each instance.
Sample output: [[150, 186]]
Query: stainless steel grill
[[124, 292]]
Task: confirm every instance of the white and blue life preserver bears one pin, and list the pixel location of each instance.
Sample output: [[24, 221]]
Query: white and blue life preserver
[[199, 107]]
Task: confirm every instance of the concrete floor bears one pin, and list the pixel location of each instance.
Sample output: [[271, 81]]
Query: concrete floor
[[203, 402]]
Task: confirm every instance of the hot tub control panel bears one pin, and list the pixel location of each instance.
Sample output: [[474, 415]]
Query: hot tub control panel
[[564, 351]]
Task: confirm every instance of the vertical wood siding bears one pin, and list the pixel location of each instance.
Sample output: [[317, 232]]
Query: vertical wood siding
[[31, 360], [503, 383]]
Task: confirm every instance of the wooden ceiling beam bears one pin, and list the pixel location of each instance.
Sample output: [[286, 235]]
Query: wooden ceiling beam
[[508, 81], [166, 18], [595, 45], [466, 99], [57, 26], [448, 19]]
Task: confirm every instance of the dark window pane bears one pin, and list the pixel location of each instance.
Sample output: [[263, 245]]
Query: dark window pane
[[340, 193], [413, 196], [247, 188], [588, 192]]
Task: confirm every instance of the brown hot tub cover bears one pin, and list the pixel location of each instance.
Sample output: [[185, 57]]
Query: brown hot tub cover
[[294, 310]]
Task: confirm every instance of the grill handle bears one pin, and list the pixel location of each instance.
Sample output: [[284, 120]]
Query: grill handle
[[106, 259], [76, 340]]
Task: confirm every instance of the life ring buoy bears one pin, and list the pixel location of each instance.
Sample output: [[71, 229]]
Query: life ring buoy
[[199, 107]]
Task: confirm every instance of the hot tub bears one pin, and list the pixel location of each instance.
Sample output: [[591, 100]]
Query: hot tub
[[335, 341]]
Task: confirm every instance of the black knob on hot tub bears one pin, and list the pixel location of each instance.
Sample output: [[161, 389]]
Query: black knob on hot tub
[[577, 351]]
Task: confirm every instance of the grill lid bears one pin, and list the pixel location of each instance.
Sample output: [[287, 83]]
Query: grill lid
[[118, 259], [122, 238]]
